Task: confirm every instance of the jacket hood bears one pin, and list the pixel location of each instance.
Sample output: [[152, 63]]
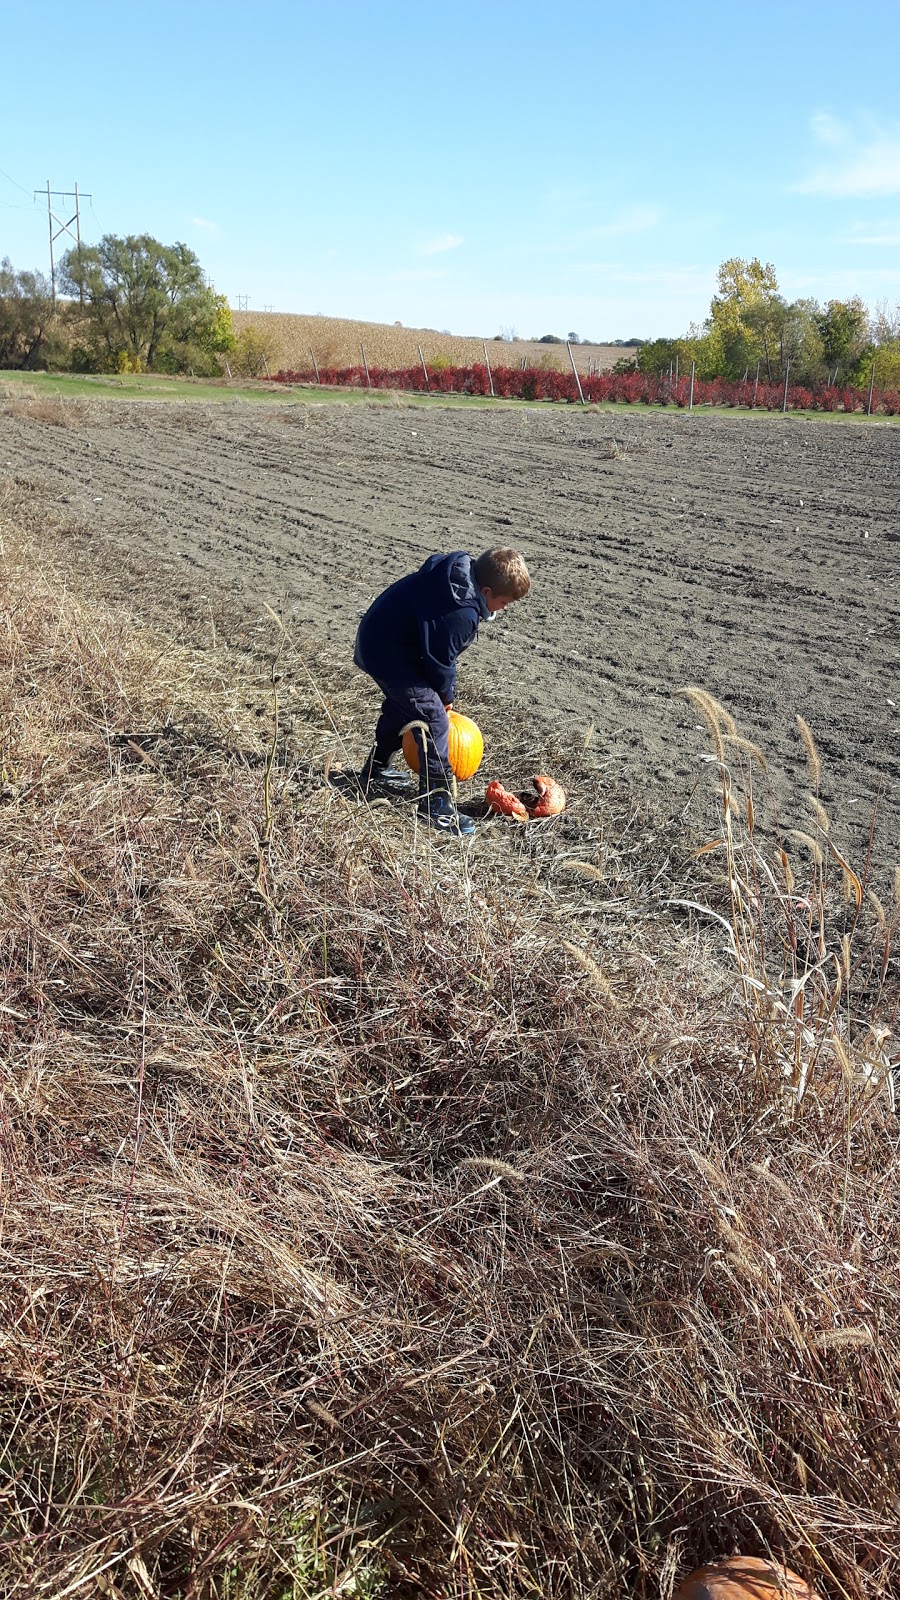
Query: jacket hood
[[463, 587]]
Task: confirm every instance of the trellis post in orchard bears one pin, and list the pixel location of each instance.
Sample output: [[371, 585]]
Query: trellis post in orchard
[[691, 396], [315, 365], [871, 389], [424, 368], [575, 370], [756, 384], [488, 365], [365, 364], [787, 373], [676, 369], [266, 365]]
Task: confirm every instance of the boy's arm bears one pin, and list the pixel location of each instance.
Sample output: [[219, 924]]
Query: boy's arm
[[442, 640]]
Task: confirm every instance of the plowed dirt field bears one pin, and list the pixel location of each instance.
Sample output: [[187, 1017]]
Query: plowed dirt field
[[757, 557]]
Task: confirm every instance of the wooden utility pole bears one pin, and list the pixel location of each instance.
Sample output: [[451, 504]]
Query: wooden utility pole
[[575, 370], [488, 365]]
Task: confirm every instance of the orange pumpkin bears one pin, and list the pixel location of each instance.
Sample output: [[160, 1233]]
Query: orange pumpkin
[[551, 798], [744, 1578], [466, 747], [504, 803]]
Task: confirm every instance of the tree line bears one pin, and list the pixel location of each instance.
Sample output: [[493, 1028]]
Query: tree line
[[751, 327], [133, 305]]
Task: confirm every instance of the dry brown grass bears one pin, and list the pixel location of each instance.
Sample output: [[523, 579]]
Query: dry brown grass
[[382, 1218], [58, 410], [335, 341]]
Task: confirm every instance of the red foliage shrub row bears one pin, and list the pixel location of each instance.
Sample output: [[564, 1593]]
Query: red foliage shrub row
[[627, 388]]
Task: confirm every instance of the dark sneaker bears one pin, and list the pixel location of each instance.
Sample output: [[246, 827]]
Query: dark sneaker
[[441, 814], [377, 775]]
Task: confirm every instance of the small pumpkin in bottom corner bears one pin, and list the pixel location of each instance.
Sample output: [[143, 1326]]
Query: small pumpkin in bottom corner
[[466, 747], [744, 1578]]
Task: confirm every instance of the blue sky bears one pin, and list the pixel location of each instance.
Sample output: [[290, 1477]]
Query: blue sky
[[471, 165]]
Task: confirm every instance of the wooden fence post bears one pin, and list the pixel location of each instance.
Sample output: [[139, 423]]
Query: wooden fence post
[[424, 368], [756, 384], [365, 364], [315, 365], [488, 365], [575, 370], [871, 388], [787, 373], [691, 397]]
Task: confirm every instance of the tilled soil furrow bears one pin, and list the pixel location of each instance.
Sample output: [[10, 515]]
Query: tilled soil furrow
[[759, 557]]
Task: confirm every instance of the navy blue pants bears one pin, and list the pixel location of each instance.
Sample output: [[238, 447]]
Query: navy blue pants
[[415, 703], [412, 702]]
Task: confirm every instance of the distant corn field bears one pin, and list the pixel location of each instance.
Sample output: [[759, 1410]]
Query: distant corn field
[[335, 342]]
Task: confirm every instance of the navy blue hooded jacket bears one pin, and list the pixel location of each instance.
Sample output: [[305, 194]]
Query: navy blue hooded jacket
[[414, 631]]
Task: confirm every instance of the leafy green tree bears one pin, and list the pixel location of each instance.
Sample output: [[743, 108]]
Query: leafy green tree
[[253, 351], [26, 316], [658, 355], [739, 313], [801, 343], [655, 355], [147, 304], [844, 331], [882, 350]]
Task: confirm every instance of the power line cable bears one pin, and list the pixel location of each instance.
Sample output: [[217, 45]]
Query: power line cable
[[16, 185]]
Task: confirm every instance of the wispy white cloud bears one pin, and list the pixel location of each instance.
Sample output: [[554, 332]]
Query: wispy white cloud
[[828, 129], [637, 219], [205, 224], [440, 243], [864, 159], [882, 233]]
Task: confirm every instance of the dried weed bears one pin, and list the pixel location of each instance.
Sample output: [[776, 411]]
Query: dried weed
[[352, 1241]]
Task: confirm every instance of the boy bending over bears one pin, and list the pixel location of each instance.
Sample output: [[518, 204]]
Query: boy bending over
[[409, 641]]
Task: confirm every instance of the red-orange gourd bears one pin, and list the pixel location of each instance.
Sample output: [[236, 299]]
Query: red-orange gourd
[[503, 802], [466, 747], [551, 798], [744, 1578]]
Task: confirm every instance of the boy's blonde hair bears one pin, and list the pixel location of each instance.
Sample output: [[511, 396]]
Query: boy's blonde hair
[[504, 572]]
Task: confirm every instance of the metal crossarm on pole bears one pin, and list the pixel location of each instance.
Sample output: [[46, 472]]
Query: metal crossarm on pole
[[61, 226]]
